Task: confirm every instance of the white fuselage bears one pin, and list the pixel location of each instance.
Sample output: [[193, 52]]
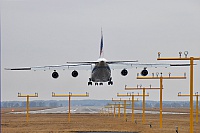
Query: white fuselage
[[101, 71]]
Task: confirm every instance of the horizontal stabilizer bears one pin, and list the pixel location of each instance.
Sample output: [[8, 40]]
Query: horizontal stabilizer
[[116, 62], [94, 62], [83, 62]]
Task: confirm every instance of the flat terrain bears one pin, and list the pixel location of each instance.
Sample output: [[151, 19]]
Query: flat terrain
[[58, 123]]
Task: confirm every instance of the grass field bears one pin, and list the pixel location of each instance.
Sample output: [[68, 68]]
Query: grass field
[[58, 123]]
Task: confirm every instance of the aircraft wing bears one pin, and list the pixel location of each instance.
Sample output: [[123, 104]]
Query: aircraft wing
[[127, 65], [130, 64], [88, 65], [55, 67]]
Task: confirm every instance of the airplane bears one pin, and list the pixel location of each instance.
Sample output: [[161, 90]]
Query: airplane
[[100, 69]]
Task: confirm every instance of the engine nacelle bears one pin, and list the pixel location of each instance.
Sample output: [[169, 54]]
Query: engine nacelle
[[55, 75], [74, 73], [124, 72], [144, 72]]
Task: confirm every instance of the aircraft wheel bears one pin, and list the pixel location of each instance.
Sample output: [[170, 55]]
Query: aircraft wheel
[[89, 83], [110, 83]]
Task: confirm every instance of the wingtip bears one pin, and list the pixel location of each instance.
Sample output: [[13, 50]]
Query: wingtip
[[179, 64], [28, 68], [7, 69]]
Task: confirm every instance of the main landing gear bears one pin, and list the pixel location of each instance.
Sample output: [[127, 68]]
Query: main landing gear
[[90, 82], [110, 82]]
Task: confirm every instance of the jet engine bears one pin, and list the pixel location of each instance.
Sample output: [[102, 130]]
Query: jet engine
[[144, 72], [74, 73], [55, 75], [124, 72]]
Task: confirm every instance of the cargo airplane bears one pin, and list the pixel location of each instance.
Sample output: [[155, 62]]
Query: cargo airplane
[[100, 69]]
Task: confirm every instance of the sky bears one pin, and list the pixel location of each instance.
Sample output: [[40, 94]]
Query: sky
[[52, 32]]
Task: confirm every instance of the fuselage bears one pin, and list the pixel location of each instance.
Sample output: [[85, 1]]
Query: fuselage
[[101, 71]]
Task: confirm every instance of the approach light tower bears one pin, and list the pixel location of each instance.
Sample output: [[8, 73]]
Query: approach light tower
[[119, 105], [161, 77], [114, 107], [191, 59], [27, 103], [132, 95], [69, 96], [195, 95], [108, 107], [143, 101]]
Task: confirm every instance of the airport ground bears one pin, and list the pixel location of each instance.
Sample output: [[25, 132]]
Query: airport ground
[[58, 123]]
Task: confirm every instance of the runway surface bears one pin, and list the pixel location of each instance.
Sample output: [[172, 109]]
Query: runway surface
[[87, 110]]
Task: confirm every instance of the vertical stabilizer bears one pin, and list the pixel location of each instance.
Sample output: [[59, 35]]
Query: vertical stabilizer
[[101, 45]]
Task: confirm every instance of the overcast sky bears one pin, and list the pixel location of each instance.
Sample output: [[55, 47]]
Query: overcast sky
[[52, 32]]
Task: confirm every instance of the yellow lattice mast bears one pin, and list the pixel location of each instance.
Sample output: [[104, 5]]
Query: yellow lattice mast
[[143, 101], [108, 107], [197, 108], [114, 108], [69, 96], [191, 59], [132, 95], [119, 105], [27, 103], [161, 77], [124, 105]]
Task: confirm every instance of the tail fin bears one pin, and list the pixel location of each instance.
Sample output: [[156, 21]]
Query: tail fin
[[101, 45]]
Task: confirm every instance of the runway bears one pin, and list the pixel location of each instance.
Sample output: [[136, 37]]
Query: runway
[[87, 110]]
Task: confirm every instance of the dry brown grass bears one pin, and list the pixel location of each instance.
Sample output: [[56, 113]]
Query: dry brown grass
[[58, 123]]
